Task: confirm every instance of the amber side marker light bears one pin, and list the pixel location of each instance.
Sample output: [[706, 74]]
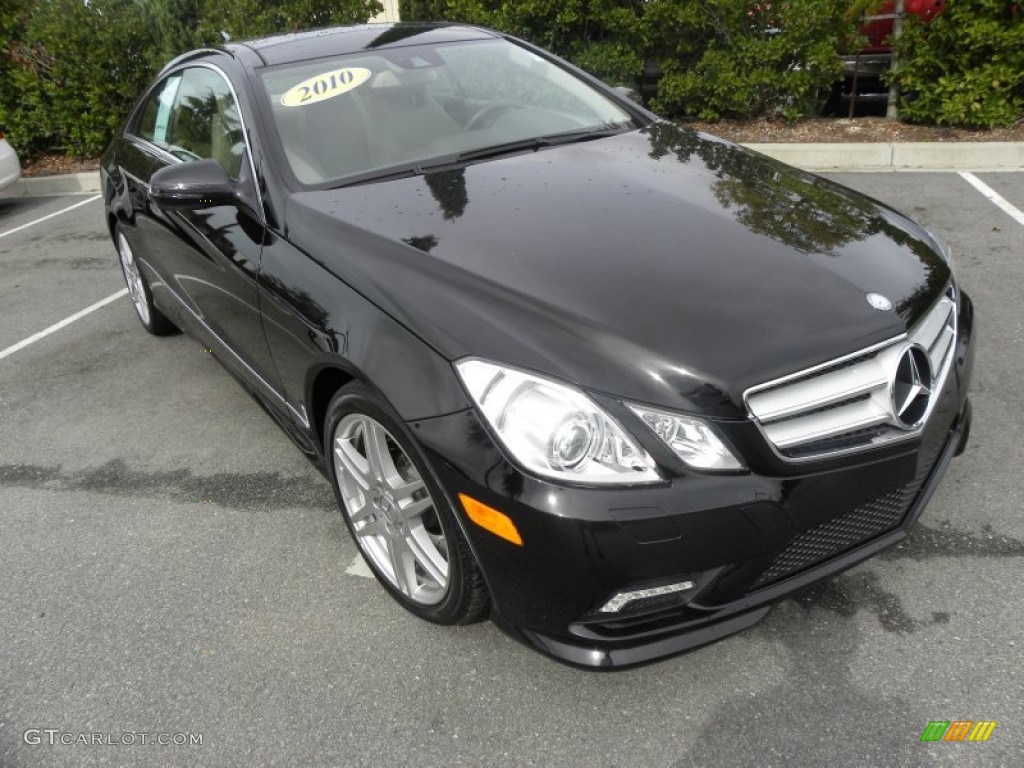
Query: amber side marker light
[[491, 519]]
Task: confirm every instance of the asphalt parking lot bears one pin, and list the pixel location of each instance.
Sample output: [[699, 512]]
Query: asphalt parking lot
[[171, 564]]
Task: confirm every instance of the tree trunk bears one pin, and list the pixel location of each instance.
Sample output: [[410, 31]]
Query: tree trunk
[[893, 110]]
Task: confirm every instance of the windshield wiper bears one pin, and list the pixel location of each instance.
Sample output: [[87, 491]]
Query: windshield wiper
[[501, 149], [538, 142], [370, 176], [573, 137], [508, 148]]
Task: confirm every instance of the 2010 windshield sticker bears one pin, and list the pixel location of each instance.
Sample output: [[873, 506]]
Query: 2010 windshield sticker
[[325, 86]]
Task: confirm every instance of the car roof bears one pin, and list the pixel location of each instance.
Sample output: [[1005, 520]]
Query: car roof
[[319, 43]]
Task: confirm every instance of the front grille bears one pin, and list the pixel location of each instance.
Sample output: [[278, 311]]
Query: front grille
[[846, 405], [868, 521], [836, 443]]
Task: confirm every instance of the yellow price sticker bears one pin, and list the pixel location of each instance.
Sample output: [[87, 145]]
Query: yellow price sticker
[[325, 86]]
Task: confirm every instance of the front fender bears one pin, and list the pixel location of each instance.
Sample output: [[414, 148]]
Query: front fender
[[314, 321]]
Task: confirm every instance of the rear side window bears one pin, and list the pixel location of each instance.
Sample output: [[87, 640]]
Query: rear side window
[[156, 114]]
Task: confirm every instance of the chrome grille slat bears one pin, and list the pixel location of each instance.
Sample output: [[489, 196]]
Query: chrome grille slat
[[808, 394], [940, 348], [810, 406], [933, 324], [827, 423]]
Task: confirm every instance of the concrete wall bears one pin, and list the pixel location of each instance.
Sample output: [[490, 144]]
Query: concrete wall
[[390, 12]]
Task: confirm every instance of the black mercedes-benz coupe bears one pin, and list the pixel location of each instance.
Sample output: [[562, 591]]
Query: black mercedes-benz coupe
[[615, 383]]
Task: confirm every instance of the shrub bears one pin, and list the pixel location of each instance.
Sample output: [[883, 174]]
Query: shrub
[[70, 70], [601, 36], [253, 18], [74, 73], [174, 28], [723, 58], [13, 15], [719, 57], [967, 68]]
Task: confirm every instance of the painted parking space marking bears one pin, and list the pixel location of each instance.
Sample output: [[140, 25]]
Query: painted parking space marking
[[1001, 202], [49, 216], [62, 324], [359, 568]]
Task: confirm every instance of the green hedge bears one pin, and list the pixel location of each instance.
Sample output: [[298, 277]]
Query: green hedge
[[724, 58], [967, 68], [70, 70], [719, 57], [604, 37], [747, 58], [73, 74]]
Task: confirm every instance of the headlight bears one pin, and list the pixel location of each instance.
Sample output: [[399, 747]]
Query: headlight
[[692, 440], [554, 429]]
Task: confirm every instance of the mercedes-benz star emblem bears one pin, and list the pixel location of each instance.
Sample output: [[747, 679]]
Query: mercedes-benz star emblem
[[879, 302], [912, 387]]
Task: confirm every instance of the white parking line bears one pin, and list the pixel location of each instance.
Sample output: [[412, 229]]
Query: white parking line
[[66, 321], [49, 216], [1014, 212], [359, 568]]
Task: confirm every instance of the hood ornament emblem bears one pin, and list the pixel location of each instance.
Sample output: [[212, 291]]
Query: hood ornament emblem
[[879, 302]]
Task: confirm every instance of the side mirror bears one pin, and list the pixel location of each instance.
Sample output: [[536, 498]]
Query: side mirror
[[192, 186]]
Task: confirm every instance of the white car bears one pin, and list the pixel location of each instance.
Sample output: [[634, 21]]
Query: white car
[[10, 168]]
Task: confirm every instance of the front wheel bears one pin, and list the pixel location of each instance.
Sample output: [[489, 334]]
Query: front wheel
[[397, 513], [152, 319]]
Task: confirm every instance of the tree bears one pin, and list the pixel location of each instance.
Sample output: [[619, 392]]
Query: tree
[[724, 58], [254, 18], [74, 73], [70, 70], [603, 37], [175, 28]]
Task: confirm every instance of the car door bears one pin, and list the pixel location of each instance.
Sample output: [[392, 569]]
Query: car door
[[208, 259]]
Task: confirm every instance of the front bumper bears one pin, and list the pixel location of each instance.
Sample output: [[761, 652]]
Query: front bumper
[[744, 540]]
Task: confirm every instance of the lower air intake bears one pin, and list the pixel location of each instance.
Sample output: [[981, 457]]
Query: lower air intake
[[866, 522]]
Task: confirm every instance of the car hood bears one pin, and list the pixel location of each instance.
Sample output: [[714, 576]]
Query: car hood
[[660, 265]]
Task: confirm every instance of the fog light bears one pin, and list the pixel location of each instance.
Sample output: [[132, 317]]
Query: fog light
[[623, 599]]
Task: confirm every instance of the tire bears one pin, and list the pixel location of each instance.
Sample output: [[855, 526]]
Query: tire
[[397, 514], [152, 319]]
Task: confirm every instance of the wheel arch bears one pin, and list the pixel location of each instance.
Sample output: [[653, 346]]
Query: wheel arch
[[324, 384]]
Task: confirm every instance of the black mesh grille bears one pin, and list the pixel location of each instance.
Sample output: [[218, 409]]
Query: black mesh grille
[[827, 540]]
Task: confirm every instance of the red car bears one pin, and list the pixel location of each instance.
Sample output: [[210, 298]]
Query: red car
[[865, 68], [878, 28]]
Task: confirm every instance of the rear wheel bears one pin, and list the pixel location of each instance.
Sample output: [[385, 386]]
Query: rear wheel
[[152, 319], [396, 512]]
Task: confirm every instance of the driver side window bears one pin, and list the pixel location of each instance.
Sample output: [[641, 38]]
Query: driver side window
[[193, 116]]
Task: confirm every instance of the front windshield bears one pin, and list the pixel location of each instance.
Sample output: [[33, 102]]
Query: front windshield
[[352, 115]]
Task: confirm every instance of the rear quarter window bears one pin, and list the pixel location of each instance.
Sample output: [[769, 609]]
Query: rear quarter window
[[156, 114]]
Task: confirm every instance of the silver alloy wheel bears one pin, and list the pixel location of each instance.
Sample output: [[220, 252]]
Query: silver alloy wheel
[[391, 510], [133, 278]]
